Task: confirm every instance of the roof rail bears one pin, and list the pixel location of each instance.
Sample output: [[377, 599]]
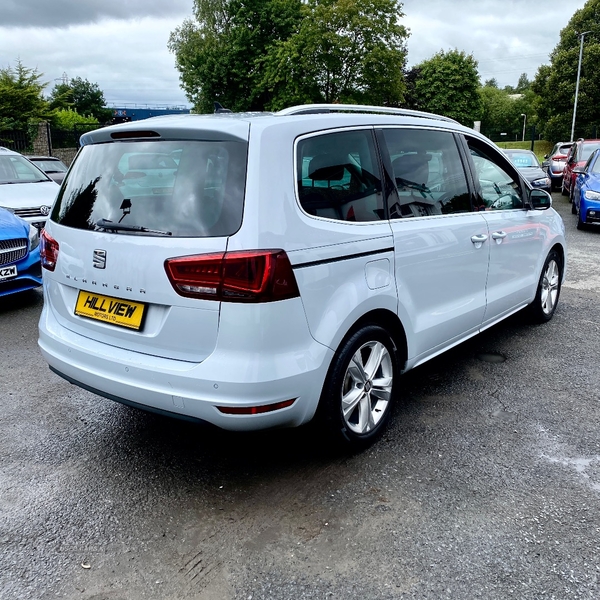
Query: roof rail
[[314, 109]]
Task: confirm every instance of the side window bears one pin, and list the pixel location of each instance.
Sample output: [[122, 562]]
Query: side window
[[338, 176], [499, 186], [428, 172]]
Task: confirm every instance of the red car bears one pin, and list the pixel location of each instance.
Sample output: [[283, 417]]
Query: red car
[[554, 163], [578, 155]]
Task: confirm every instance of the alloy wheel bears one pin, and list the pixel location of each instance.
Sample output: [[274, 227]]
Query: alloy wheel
[[367, 387], [550, 287]]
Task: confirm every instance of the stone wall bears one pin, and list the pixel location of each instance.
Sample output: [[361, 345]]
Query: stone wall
[[65, 154], [42, 146]]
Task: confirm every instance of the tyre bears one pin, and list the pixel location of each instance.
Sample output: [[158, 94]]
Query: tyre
[[563, 190], [573, 209], [548, 291], [580, 223], [360, 388]]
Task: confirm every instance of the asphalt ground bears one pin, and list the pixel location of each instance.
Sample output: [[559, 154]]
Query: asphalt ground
[[486, 484]]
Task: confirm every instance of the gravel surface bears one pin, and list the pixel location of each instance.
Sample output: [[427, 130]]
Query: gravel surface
[[486, 484]]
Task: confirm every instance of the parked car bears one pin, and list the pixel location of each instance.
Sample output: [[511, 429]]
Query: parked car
[[578, 155], [554, 163], [52, 166], [529, 165], [24, 189], [296, 264], [20, 268], [586, 192]]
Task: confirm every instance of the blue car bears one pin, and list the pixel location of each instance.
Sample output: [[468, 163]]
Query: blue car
[[20, 268], [586, 194]]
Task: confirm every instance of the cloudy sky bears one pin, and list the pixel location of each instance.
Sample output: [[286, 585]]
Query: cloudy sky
[[122, 44]]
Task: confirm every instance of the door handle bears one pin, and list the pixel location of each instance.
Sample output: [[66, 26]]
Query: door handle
[[479, 239], [498, 236]]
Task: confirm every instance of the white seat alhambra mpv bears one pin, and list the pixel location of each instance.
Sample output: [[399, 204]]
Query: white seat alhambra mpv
[[259, 270]]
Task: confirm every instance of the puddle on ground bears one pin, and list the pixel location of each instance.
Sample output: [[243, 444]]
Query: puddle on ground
[[491, 357], [504, 415]]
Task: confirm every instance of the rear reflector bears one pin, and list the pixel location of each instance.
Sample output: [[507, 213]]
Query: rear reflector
[[255, 410], [241, 276], [48, 251]]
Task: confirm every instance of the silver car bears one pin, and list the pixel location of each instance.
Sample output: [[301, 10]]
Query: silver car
[[25, 190]]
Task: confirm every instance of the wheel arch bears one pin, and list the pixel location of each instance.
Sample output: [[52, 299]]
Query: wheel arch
[[388, 321], [560, 250]]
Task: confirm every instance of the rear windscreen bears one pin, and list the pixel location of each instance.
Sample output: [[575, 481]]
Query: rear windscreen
[[177, 188]]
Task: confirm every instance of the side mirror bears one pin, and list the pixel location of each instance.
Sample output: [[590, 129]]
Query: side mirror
[[540, 200], [545, 156], [578, 170]]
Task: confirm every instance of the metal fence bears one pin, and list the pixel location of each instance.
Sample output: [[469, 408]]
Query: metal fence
[[69, 138], [17, 139], [43, 139]]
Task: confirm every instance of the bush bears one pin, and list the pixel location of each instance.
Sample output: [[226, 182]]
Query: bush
[[67, 118]]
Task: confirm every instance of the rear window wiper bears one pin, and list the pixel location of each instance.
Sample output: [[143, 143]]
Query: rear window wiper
[[107, 225]]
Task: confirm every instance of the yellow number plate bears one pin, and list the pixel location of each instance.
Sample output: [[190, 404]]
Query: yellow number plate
[[124, 313]]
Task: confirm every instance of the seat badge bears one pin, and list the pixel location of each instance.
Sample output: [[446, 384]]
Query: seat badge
[[100, 259]]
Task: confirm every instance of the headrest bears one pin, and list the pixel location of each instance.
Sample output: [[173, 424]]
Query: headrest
[[328, 167]]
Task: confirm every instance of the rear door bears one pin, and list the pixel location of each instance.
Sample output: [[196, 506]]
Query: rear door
[[440, 243]]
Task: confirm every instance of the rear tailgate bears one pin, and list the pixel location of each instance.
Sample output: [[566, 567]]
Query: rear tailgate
[[130, 303]]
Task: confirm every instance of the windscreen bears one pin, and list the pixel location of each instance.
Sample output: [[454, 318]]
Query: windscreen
[[16, 169], [175, 188]]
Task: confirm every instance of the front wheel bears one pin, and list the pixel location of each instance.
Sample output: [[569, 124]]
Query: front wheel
[[546, 298], [357, 397], [580, 223]]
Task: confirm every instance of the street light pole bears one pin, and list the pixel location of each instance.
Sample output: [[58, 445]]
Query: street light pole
[[581, 35], [524, 122]]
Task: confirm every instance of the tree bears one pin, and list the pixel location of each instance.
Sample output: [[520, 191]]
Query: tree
[[448, 84], [523, 84], [347, 51], [86, 98], [555, 84], [21, 97], [220, 53], [266, 54], [502, 113]]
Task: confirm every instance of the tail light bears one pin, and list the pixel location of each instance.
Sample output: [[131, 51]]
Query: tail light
[[241, 276], [48, 251]]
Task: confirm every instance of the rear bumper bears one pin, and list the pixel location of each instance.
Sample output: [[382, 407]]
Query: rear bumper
[[230, 378]]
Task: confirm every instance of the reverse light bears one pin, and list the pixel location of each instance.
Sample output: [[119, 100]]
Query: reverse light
[[255, 410], [240, 276], [48, 251]]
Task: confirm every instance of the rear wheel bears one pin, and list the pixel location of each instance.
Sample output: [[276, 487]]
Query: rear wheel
[[563, 189], [546, 299], [573, 209], [360, 387]]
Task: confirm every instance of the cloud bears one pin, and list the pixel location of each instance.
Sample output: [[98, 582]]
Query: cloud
[[506, 37], [127, 59], [62, 13]]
